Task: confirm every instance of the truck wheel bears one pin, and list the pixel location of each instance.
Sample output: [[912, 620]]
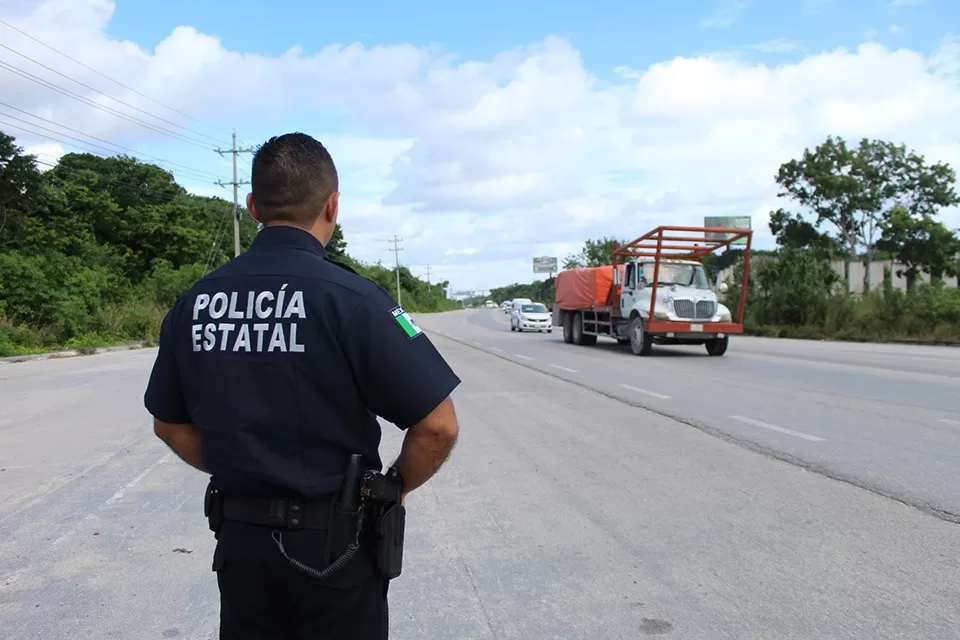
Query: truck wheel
[[718, 346], [577, 329], [640, 342], [568, 328]]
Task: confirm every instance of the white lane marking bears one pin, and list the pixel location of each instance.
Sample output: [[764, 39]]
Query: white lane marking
[[75, 527], [949, 421], [645, 391], [524, 357], [556, 366], [130, 485], [456, 337], [498, 349], [476, 344], [773, 427]]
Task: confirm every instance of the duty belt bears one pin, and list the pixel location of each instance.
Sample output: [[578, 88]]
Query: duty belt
[[288, 513]]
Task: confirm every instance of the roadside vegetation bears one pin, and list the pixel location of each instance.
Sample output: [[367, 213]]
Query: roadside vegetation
[[869, 203], [93, 251]]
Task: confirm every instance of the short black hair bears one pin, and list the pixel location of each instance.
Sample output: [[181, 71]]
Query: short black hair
[[293, 175]]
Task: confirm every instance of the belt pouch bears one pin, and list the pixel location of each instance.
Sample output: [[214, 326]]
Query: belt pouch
[[388, 527]]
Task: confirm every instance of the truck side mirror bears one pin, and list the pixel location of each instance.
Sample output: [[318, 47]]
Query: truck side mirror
[[723, 287]]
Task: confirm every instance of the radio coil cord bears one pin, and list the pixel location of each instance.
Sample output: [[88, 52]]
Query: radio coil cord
[[334, 566]]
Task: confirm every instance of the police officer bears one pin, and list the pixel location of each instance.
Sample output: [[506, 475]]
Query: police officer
[[271, 371]]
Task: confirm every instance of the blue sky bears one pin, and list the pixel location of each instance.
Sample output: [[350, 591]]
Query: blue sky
[[487, 134], [608, 33]]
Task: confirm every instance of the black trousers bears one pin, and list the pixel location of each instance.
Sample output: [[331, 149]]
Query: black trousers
[[262, 597]]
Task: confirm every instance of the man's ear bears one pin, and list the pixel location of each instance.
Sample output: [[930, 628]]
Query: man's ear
[[252, 209], [332, 209]]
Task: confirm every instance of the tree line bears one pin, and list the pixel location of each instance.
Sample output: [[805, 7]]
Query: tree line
[[863, 203], [95, 250]]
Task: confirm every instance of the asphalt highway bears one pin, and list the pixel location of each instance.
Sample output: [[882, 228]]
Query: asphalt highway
[[881, 416], [562, 514]]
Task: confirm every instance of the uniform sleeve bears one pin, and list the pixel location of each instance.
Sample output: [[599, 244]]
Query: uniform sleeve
[[164, 397], [401, 375]]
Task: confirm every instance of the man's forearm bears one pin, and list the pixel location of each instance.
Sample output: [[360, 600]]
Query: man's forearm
[[187, 444], [421, 457]]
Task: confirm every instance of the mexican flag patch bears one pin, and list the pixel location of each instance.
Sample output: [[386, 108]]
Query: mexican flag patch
[[405, 322]]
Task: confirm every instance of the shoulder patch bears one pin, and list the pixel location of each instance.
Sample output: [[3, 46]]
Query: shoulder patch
[[405, 322]]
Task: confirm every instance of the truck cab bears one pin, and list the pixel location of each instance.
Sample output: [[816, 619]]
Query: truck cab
[[683, 292]]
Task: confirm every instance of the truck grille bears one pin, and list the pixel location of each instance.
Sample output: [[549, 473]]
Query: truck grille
[[702, 310]]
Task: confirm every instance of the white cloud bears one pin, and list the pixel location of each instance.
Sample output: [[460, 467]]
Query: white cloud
[[896, 29], [524, 154]]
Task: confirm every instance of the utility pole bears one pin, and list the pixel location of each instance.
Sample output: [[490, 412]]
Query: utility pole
[[396, 252], [235, 152], [428, 275]]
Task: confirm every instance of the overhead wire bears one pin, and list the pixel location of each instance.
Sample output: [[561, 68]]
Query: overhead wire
[[59, 138], [196, 173], [94, 89], [111, 111], [119, 146], [111, 79]]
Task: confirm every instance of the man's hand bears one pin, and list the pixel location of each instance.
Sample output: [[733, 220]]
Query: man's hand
[[183, 439]]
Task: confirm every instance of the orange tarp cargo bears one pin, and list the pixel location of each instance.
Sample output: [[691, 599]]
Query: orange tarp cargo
[[586, 287]]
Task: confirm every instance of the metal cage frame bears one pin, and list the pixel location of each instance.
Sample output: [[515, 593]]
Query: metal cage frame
[[659, 244]]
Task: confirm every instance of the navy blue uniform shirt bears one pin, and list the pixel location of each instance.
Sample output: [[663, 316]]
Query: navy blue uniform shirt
[[283, 359]]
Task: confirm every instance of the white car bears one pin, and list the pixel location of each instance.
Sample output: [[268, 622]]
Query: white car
[[530, 316]]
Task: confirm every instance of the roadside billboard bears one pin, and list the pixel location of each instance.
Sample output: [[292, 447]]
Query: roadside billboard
[[728, 222], [544, 264]]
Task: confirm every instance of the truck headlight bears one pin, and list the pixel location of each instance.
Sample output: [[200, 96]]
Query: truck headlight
[[724, 314], [660, 313]]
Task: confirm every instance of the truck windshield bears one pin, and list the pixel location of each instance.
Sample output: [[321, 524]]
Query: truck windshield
[[533, 308], [684, 275]]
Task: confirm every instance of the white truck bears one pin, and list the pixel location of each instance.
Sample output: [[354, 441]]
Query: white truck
[[660, 294]]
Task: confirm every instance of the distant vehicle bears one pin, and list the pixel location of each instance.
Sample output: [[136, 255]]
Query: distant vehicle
[[506, 306], [516, 302], [659, 295], [530, 316], [490, 304]]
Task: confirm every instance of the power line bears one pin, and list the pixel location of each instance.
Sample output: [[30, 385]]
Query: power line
[[59, 138], [202, 174], [106, 95], [427, 269], [234, 151], [111, 111], [115, 81], [396, 252]]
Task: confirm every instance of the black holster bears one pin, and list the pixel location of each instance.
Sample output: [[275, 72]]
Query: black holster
[[388, 526], [382, 494]]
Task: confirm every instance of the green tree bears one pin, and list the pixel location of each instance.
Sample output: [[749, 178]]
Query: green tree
[[793, 232], [921, 244], [96, 250], [337, 247], [855, 189], [595, 253]]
